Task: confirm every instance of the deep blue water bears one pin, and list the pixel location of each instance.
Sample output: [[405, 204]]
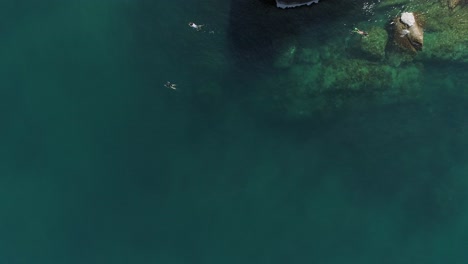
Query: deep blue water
[[100, 163]]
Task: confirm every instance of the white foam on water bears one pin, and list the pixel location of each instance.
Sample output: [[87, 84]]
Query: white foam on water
[[284, 5]]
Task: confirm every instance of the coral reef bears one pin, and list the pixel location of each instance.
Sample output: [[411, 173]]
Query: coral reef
[[384, 67], [373, 46]]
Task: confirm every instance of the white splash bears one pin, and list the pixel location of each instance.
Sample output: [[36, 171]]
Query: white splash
[[404, 32]]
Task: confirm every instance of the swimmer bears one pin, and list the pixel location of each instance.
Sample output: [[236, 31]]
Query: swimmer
[[360, 32], [170, 85], [195, 26]]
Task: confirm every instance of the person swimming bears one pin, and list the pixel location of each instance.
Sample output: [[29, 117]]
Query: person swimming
[[170, 85], [195, 26], [360, 32]]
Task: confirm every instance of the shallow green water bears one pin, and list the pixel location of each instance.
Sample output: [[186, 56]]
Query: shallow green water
[[100, 163]]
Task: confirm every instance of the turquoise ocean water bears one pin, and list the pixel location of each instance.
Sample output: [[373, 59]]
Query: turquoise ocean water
[[100, 163]]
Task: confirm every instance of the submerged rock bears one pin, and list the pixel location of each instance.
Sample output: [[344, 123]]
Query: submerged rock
[[446, 37], [286, 53], [453, 3], [309, 56], [286, 58], [307, 90], [373, 46]]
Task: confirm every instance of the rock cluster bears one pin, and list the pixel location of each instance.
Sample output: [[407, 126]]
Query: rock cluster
[[383, 67]]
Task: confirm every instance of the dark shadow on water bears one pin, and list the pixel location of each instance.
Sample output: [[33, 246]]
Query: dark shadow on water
[[257, 28]]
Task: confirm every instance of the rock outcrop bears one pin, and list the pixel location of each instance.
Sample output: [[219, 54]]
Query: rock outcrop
[[408, 33]]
